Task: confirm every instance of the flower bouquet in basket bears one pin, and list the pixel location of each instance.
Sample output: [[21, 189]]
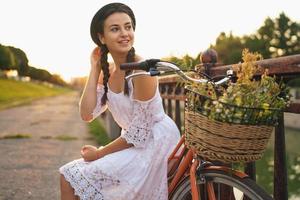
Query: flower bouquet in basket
[[233, 123]]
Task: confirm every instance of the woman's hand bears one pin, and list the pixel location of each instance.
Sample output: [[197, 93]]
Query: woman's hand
[[90, 153], [95, 58]]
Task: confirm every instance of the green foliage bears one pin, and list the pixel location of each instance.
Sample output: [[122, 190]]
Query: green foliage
[[98, 131], [7, 59], [44, 75], [281, 36], [39, 74], [14, 58], [21, 61], [56, 79], [186, 62], [247, 101], [228, 48], [294, 83], [254, 44], [265, 166], [276, 37], [287, 38]]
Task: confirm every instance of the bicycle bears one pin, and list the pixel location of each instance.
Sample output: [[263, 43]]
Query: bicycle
[[190, 177]]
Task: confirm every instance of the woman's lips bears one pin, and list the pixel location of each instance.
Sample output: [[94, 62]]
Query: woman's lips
[[124, 41]]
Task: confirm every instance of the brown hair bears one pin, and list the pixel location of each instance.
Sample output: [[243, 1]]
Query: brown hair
[[105, 67], [97, 26]]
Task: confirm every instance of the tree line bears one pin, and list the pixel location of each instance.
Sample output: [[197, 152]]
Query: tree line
[[275, 38], [12, 58]]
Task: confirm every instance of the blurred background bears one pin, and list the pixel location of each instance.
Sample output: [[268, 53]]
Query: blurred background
[[44, 60]]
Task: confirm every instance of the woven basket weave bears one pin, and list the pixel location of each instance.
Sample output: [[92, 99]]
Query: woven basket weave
[[225, 142]]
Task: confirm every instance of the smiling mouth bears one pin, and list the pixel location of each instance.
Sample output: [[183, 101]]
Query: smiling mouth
[[124, 42]]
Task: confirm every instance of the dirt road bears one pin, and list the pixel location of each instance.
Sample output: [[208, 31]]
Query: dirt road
[[29, 167]]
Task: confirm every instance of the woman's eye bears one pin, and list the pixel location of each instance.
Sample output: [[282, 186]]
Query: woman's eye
[[128, 27], [114, 29]]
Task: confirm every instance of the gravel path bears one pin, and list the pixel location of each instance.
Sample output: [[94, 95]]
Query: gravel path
[[29, 167]]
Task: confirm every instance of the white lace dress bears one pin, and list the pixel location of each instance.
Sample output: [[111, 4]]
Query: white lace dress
[[136, 173]]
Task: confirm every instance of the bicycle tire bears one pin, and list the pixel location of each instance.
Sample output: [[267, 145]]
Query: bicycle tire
[[245, 185]]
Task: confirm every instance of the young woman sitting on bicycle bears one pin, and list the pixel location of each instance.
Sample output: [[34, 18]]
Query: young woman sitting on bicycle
[[133, 166]]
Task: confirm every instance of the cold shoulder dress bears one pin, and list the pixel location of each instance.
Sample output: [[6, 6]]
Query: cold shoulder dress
[[136, 173]]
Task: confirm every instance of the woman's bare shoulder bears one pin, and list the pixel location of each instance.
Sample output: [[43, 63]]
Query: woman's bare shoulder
[[144, 86]]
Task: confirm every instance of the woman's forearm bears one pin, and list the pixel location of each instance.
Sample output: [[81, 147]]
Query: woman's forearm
[[88, 99], [116, 145]]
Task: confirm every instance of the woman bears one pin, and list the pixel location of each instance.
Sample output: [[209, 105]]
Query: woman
[[133, 166]]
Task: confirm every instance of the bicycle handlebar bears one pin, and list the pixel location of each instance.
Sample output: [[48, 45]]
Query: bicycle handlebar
[[154, 67], [142, 65]]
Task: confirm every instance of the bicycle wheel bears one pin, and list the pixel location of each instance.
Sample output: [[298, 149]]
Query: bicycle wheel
[[227, 186]]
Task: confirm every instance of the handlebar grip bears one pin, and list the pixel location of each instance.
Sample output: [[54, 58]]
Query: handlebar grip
[[142, 65], [133, 65]]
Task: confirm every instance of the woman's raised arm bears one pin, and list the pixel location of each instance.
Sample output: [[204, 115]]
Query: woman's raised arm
[[88, 100]]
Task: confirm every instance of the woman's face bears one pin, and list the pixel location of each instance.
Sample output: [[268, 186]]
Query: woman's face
[[118, 33]]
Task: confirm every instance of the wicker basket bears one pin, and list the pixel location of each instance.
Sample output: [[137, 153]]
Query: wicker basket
[[225, 142], [222, 141]]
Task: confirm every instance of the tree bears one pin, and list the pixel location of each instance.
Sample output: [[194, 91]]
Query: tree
[[175, 60], [278, 37], [7, 59], [229, 48], [255, 44], [287, 38], [281, 36], [186, 62], [56, 79], [265, 34], [39, 74], [21, 61]]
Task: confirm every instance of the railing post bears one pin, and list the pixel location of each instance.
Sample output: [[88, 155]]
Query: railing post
[[164, 103], [250, 169], [169, 108], [280, 169], [170, 113], [162, 90], [177, 114], [178, 92]]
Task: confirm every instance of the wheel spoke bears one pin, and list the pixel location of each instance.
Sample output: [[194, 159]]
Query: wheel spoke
[[211, 191], [221, 185]]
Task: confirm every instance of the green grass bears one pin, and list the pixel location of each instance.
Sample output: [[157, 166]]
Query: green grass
[[65, 137], [13, 93], [17, 136], [98, 131]]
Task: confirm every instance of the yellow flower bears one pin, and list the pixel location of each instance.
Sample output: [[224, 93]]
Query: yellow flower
[[265, 106], [238, 101]]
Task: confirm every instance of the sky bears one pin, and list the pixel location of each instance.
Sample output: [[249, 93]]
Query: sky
[[55, 34]]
